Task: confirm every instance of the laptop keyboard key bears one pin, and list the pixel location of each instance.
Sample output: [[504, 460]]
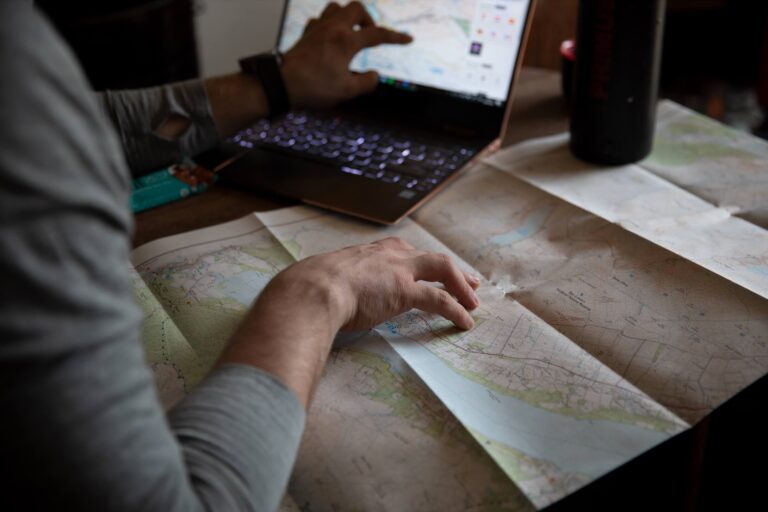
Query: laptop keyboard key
[[330, 154], [374, 173], [351, 170], [379, 158], [390, 177]]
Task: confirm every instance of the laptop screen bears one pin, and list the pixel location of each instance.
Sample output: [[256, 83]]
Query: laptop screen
[[465, 48]]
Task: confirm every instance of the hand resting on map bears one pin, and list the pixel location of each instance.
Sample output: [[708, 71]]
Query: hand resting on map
[[290, 329]]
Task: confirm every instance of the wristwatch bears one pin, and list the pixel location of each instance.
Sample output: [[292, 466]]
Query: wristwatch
[[266, 67]]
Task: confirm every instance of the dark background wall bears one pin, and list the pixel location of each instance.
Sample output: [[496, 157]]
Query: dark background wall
[[129, 43]]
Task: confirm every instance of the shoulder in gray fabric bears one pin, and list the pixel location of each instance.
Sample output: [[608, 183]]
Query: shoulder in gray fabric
[[81, 425]]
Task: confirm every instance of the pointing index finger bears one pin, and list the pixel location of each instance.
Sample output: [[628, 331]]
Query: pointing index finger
[[374, 36]]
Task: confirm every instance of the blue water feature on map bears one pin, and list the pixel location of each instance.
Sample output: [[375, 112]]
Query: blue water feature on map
[[533, 223], [760, 269], [244, 287], [589, 447]]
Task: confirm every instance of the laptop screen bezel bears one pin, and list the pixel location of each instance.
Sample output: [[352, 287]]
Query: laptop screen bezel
[[440, 107]]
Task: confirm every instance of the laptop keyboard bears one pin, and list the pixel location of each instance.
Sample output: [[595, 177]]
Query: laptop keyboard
[[366, 151]]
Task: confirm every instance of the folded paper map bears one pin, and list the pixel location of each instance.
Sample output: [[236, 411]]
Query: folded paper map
[[620, 306]]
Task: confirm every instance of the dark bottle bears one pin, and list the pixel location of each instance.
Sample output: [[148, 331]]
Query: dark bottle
[[618, 52]]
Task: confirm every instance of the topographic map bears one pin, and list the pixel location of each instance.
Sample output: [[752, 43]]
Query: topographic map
[[376, 439], [720, 165], [595, 340]]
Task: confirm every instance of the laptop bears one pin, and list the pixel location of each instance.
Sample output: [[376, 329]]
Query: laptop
[[442, 102]]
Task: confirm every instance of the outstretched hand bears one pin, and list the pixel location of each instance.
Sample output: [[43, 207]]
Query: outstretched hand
[[368, 284], [316, 70], [290, 329]]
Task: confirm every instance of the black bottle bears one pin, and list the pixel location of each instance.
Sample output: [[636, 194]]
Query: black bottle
[[618, 52]]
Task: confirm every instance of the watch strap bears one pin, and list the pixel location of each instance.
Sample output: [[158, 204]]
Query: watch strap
[[266, 67]]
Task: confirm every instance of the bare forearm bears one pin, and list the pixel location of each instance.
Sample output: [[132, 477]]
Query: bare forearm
[[290, 329], [288, 334], [237, 101]]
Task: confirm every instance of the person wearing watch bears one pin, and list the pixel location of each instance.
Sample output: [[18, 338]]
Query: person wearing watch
[[82, 426], [313, 74]]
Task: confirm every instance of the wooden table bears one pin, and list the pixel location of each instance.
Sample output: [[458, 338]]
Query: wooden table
[[537, 109]]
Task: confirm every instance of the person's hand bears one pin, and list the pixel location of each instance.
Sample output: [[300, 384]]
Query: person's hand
[[368, 284], [316, 70], [290, 329]]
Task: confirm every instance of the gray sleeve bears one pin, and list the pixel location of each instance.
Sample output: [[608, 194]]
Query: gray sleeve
[[81, 425], [253, 410], [136, 114]]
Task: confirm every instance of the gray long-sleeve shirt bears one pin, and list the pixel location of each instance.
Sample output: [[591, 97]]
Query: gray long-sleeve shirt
[[81, 427]]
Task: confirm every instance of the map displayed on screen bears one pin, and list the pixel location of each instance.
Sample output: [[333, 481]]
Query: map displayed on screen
[[467, 47]]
